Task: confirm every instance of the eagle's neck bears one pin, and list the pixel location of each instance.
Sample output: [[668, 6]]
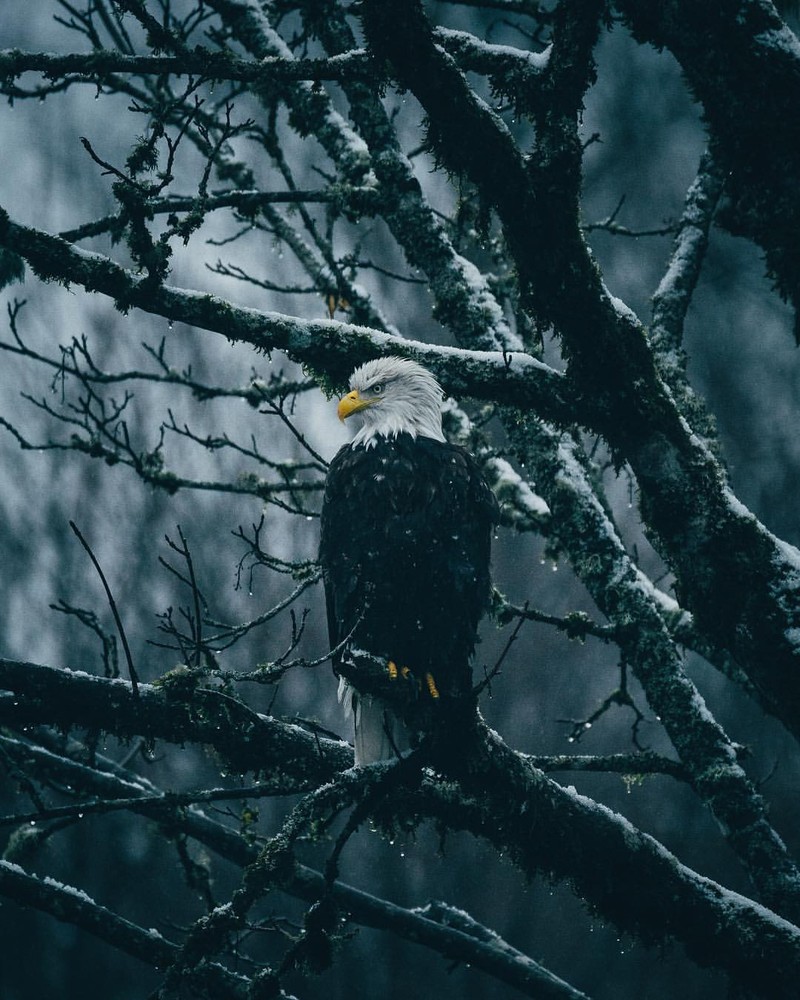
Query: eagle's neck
[[417, 418]]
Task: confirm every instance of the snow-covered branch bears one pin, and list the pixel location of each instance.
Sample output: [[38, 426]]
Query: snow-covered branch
[[747, 604], [626, 874], [73, 906], [748, 103], [674, 294], [208, 64], [477, 946], [580, 526], [175, 710], [464, 301], [328, 346], [541, 825]]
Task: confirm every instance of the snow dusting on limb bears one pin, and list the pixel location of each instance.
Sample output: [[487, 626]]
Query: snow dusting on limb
[[248, 203], [621, 396]]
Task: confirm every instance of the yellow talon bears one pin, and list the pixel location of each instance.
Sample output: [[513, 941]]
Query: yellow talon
[[404, 672], [432, 689], [392, 668]]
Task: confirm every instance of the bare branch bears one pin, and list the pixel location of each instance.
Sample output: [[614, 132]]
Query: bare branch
[[325, 344], [485, 950], [203, 63], [113, 605]]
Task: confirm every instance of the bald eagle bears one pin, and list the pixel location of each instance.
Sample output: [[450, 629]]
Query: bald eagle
[[405, 542]]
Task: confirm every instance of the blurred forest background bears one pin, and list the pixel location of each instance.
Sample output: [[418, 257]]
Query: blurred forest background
[[647, 138]]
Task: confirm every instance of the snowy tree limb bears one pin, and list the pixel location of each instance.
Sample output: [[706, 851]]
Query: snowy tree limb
[[175, 711], [492, 955], [311, 109], [540, 824], [546, 828], [464, 301], [205, 63], [582, 528], [738, 579], [75, 907], [674, 294], [748, 103], [326, 345]]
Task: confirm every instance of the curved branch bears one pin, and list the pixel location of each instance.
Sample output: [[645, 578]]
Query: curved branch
[[674, 294], [739, 580], [625, 874], [743, 63], [176, 710], [492, 955], [581, 526], [326, 345], [464, 301], [205, 63], [489, 790], [75, 907]]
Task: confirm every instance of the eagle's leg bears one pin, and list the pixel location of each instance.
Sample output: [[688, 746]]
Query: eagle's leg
[[395, 671], [405, 672]]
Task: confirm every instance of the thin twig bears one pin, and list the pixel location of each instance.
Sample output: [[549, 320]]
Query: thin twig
[[113, 605]]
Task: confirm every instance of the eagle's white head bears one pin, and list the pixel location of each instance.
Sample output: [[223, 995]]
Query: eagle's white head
[[393, 396]]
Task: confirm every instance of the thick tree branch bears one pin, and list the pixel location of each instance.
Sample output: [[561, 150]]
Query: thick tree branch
[[174, 711], [542, 826], [74, 907], [464, 301], [551, 835], [739, 581], [580, 526], [511, 69], [492, 955], [674, 294], [209, 65], [325, 345], [743, 63]]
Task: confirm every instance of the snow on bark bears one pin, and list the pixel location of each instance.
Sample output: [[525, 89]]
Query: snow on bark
[[581, 527], [332, 130], [325, 345], [523, 507], [455, 41], [464, 301], [782, 39]]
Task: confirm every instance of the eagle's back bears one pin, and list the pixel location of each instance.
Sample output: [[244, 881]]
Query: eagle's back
[[405, 542]]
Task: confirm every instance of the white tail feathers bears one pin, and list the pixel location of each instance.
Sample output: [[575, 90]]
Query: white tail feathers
[[379, 734]]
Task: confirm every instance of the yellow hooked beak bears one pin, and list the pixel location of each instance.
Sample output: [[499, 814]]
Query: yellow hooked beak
[[352, 403]]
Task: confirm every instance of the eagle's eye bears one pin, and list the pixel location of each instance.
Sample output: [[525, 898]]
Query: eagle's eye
[[378, 389]]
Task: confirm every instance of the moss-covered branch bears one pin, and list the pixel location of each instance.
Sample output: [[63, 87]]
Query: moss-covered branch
[[73, 906], [483, 787], [622, 873], [205, 63], [743, 63], [327, 346], [739, 581], [175, 711], [486, 952]]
